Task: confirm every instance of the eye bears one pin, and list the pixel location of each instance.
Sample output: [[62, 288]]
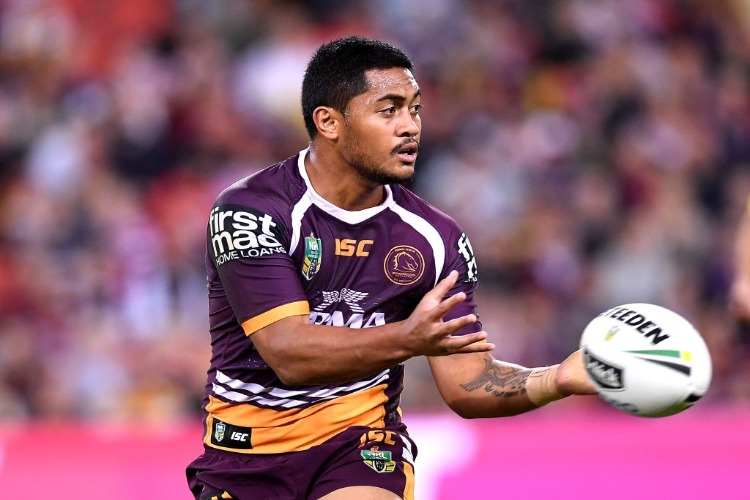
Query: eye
[[391, 110], [416, 108]]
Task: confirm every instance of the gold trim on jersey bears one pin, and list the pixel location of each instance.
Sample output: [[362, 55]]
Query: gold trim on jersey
[[275, 431], [409, 487], [271, 316]]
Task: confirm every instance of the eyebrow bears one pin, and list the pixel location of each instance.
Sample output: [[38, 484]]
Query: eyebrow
[[397, 97]]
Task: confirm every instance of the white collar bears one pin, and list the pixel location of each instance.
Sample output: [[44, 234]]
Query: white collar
[[351, 217]]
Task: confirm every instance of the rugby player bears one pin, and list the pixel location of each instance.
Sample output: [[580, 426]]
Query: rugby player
[[325, 274]]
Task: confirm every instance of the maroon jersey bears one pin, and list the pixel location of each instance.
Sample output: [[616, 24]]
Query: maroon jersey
[[275, 249]]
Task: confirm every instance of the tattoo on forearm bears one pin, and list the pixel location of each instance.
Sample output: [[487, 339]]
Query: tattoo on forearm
[[500, 381]]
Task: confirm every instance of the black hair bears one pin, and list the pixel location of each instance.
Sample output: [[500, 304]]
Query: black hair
[[336, 73]]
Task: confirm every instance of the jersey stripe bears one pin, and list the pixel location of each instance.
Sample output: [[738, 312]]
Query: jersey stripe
[[429, 232], [271, 397], [299, 308], [297, 213], [275, 431]]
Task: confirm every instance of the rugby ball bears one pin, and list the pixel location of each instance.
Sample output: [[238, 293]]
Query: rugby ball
[[646, 360]]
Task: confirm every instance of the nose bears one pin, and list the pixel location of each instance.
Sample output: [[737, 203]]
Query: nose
[[409, 126]]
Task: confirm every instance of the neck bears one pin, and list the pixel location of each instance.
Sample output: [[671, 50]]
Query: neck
[[336, 181]]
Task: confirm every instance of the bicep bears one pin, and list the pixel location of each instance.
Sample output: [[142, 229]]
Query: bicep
[[257, 289]]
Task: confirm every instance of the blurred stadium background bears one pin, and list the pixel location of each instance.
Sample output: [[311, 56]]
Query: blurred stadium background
[[596, 152]]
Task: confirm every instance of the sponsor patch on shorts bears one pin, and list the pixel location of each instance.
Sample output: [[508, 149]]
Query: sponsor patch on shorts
[[379, 461], [231, 436]]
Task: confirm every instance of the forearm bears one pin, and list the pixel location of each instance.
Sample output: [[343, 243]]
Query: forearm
[[493, 388], [304, 354]]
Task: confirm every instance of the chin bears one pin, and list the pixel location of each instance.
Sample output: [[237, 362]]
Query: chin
[[404, 177], [387, 173], [403, 171]]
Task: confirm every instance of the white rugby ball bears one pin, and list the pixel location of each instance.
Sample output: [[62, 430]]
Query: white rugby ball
[[646, 360]]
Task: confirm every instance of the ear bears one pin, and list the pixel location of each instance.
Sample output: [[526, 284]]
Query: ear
[[328, 121]]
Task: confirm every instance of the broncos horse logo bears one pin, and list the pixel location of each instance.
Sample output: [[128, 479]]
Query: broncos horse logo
[[404, 265]]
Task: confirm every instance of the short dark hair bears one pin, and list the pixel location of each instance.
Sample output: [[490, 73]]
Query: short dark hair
[[336, 73]]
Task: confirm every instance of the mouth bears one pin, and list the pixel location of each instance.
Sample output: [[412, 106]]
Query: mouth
[[407, 152]]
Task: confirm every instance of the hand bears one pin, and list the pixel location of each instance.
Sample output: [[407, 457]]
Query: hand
[[571, 377], [426, 332]]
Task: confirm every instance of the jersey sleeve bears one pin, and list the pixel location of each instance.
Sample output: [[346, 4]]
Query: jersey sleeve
[[248, 247], [460, 257]]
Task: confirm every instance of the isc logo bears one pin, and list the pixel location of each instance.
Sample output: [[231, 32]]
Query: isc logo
[[347, 248], [239, 436]]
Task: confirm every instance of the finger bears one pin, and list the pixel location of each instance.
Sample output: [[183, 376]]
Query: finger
[[475, 347], [446, 305], [443, 286], [471, 342], [452, 326]]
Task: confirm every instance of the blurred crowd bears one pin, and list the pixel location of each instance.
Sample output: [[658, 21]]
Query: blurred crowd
[[595, 151]]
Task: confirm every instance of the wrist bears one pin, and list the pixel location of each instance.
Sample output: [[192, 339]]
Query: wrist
[[541, 387]]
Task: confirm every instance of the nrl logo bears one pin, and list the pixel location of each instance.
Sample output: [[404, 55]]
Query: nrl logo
[[611, 333], [379, 461], [219, 431], [311, 261]]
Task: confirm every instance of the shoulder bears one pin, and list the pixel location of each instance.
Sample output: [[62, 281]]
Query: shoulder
[[410, 202], [273, 189]]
